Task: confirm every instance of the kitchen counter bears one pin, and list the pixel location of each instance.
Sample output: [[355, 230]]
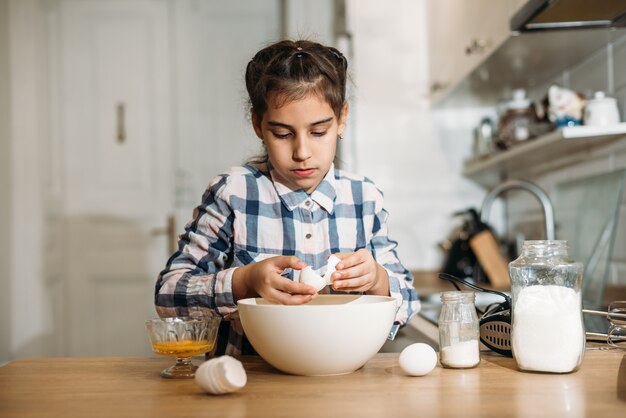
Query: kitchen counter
[[112, 387]]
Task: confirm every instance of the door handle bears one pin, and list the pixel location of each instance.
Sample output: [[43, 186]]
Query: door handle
[[170, 231], [120, 128]]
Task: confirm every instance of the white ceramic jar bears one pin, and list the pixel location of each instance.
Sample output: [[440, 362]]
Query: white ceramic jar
[[601, 110]]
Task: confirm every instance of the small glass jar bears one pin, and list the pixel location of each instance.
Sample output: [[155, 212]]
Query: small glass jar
[[458, 331], [548, 334]]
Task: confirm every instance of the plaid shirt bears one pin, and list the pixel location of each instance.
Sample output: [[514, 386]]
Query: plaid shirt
[[246, 216]]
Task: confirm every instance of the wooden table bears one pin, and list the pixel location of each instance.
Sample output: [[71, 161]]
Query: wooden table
[[132, 387]]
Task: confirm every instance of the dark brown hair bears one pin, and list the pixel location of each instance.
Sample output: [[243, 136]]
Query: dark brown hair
[[293, 69]]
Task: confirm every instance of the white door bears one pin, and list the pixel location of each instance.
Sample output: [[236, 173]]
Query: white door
[[114, 109], [144, 86]]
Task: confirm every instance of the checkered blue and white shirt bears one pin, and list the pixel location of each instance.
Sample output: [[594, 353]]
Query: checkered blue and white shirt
[[246, 216]]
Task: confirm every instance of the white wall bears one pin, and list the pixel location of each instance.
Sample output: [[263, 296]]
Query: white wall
[[30, 307], [311, 20], [5, 191], [412, 153]]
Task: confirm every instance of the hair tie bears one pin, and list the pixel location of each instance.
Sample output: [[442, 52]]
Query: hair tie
[[338, 55]]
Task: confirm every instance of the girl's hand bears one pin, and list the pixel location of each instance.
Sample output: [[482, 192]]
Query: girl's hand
[[359, 272], [264, 279]]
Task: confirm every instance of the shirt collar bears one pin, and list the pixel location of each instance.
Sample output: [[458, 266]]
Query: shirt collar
[[324, 195]]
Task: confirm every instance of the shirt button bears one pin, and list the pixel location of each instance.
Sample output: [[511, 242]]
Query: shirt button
[[307, 236], [307, 202]]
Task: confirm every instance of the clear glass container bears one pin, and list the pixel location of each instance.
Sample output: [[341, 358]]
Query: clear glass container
[[182, 338], [548, 334], [458, 331]]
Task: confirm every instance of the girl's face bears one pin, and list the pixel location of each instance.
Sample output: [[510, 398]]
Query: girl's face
[[300, 137]]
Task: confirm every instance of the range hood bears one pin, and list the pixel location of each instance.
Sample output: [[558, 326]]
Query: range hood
[[542, 15]]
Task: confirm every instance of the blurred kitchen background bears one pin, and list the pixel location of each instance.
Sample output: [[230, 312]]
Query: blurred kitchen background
[[115, 114]]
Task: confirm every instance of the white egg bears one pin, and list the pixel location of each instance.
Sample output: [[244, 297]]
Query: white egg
[[308, 276], [418, 359]]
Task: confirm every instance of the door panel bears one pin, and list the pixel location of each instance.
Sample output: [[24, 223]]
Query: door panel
[[115, 107], [115, 83]]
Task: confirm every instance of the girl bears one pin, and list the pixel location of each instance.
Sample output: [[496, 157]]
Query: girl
[[259, 223]]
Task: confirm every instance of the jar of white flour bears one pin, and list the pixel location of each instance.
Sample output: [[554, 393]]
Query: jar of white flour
[[458, 331], [548, 334]]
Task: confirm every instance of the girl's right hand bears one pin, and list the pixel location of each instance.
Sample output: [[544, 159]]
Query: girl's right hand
[[264, 279]]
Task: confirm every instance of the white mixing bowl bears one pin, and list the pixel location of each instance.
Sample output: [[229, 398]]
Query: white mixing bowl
[[332, 334]]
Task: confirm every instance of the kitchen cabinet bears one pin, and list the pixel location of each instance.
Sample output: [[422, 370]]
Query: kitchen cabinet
[[475, 60], [461, 35], [526, 61]]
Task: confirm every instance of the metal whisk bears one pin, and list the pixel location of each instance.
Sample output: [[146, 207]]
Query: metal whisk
[[616, 315]]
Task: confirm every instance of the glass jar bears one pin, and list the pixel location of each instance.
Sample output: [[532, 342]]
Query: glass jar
[[458, 331], [548, 334]]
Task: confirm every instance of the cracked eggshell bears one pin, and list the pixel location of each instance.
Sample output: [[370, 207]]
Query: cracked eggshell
[[221, 375], [308, 276], [330, 268], [234, 373]]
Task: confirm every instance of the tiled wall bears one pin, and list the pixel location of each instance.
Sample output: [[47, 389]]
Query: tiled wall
[[604, 70]]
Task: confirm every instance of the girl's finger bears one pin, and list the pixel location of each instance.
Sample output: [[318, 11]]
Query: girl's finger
[[357, 284], [348, 273], [349, 260], [341, 256], [283, 262], [293, 288], [288, 299], [298, 299]]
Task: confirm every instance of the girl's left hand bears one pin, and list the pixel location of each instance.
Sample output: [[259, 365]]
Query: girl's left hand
[[359, 272]]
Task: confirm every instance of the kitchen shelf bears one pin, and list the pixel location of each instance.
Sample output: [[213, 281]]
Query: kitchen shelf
[[489, 170]]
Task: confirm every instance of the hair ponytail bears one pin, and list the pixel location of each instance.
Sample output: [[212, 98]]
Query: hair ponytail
[[290, 70]]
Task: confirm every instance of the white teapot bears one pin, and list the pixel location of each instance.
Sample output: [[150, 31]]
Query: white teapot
[[601, 110]]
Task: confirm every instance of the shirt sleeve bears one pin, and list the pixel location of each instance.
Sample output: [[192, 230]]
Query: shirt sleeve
[[195, 278], [400, 279]]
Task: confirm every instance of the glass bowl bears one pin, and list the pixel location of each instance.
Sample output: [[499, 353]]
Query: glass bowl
[[182, 338]]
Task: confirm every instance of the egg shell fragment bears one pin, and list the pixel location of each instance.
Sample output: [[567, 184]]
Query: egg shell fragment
[[331, 267], [308, 276], [221, 375]]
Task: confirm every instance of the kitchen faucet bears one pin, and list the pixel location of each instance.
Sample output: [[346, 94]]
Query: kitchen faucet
[[546, 204]]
